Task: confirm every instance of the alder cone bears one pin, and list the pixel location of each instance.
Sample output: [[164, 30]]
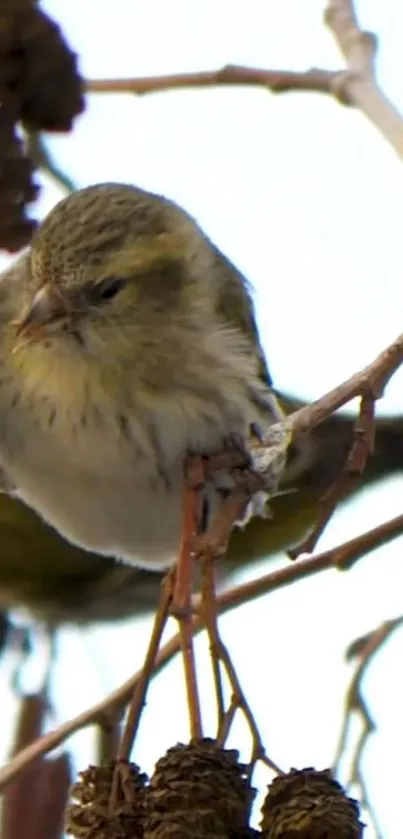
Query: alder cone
[[88, 816], [17, 189], [51, 87], [309, 804], [41, 88], [198, 790]]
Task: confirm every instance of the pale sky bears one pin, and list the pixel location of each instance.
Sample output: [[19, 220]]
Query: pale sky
[[306, 198]]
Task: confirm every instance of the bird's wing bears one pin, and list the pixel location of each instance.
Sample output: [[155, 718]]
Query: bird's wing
[[235, 305]]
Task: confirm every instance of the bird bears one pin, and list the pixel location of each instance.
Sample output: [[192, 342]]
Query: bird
[[127, 340], [59, 584]]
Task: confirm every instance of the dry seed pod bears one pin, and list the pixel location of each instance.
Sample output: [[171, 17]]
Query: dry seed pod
[[17, 189], [40, 85], [16, 186], [88, 815], [51, 88], [198, 790], [309, 804]]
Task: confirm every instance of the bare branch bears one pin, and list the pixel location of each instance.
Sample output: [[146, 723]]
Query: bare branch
[[314, 80], [358, 82], [357, 706], [362, 447], [370, 381], [342, 556]]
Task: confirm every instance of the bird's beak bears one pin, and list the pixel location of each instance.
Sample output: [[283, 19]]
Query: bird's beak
[[47, 309]]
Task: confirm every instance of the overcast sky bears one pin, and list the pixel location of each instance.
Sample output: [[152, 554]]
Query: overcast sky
[[306, 197]]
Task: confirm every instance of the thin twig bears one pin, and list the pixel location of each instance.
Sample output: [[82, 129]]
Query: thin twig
[[109, 735], [362, 447], [191, 521], [140, 690], [213, 543], [228, 719], [181, 608], [314, 80], [341, 557], [356, 704], [368, 383], [258, 750], [37, 150], [209, 614], [370, 380], [186, 634]]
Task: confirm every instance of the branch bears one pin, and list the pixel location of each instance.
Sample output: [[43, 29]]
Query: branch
[[356, 705], [358, 82], [38, 151], [369, 384], [343, 485], [314, 80], [341, 557], [371, 381]]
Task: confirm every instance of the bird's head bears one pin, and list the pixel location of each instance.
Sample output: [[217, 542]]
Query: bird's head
[[109, 268]]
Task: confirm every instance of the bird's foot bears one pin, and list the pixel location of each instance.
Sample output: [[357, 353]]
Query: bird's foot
[[267, 455]]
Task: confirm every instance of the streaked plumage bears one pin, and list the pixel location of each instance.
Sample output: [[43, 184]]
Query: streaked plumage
[[127, 339]]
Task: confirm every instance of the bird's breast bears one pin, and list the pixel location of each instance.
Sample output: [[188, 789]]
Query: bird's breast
[[107, 472]]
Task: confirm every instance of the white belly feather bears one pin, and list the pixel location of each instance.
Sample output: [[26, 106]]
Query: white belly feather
[[112, 483], [109, 490]]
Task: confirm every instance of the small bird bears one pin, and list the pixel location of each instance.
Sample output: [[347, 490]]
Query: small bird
[[59, 583], [127, 340]]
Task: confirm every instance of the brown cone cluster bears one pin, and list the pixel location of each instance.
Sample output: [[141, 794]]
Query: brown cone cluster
[[198, 790], [88, 815], [309, 804], [40, 89], [201, 791]]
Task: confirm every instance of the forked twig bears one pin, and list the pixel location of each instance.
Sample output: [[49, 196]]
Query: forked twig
[[228, 719], [239, 698], [355, 702], [358, 82], [220, 657], [362, 447]]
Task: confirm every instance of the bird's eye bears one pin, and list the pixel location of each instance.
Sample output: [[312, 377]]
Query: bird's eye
[[109, 288]]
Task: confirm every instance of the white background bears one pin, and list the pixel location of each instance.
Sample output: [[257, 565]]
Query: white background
[[306, 198]]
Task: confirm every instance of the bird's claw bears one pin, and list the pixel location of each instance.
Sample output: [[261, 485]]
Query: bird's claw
[[268, 455]]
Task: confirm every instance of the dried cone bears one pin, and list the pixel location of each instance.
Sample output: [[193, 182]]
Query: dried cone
[[198, 790], [16, 172], [88, 815], [51, 88], [40, 86], [17, 189], [309, 804], [39, 80]]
